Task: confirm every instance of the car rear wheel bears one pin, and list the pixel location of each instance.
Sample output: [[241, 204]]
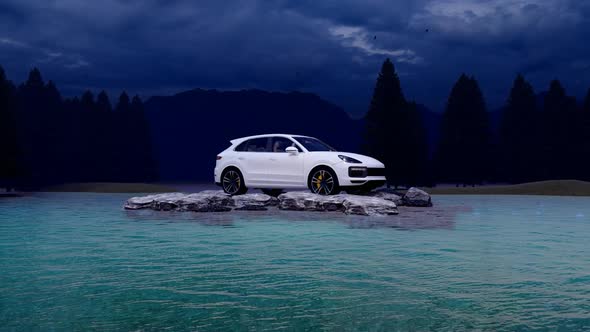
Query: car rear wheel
[[232, 182], [323, 181]]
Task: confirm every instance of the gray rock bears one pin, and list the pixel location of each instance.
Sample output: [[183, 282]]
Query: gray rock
[[218, 201], [417, 197], [206, 201], [149, 202], [369, 206], [257, 202], [303, 201], [349, 204], [387, 194]]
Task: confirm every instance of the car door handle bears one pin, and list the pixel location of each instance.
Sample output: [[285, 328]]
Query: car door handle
[[241, 158], [272, 159]]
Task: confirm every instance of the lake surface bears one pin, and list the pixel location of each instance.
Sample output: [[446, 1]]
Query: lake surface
[[497, 263]]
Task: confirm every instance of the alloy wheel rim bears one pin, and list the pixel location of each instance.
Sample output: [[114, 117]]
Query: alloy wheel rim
[[322, 182], [231, 182]]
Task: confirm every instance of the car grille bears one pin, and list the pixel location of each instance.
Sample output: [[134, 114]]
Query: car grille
[[362, 172], [376, 172]]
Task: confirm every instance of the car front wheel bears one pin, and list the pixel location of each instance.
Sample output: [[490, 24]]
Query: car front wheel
[[323, 181]]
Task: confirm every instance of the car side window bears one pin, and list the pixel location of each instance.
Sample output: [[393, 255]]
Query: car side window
[[279, 144], [254, 145], [242, 146]]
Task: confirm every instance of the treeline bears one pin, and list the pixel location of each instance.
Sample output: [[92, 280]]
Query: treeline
[[540, 137], [46, 139]]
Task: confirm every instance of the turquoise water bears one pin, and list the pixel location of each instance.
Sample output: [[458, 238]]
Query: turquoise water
[[80, 262]]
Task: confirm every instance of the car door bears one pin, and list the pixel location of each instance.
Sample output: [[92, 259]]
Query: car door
[[253, 158], [285, 170]]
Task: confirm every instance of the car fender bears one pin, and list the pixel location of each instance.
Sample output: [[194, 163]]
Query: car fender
[[317, 163], [236, 165]]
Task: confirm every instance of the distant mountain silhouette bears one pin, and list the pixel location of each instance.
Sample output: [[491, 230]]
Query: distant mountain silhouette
[[190, 128]]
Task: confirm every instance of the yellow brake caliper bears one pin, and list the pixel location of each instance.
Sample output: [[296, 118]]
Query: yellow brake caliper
[[319, 182]]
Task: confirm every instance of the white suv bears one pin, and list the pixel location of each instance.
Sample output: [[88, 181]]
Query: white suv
[[277, 161]]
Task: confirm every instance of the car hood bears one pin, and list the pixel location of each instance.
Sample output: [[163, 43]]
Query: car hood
[[366, 160]]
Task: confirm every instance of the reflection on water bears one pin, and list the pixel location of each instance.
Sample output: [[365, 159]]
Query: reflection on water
[[497, 263], [408, 219]]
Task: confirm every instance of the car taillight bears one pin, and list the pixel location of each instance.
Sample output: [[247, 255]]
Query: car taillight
[[218, 157]]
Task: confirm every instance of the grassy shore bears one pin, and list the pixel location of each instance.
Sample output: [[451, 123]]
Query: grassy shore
[[110, 187], [553, 188]]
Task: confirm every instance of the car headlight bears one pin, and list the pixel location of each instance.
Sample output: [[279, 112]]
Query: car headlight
[[349, 160]]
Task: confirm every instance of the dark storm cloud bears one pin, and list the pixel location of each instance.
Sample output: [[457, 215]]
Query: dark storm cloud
[[334, 48]]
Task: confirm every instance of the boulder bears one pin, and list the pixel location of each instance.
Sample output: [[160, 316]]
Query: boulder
[[255, 202], [349, 204], [380, 202], [149, 202], [387, 194], [206, 201], [304, 201], [368, 206], [417, 197]]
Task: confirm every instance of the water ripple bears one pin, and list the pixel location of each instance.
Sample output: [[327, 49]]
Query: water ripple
[[78, 262]]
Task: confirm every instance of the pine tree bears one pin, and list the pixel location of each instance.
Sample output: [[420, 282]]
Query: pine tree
[[87, 101], [107, 143], [76, 133], [463, 152], [144, 161], [10, 166], [57, 155], [123, 105], [393, 130], [103, 102], [584, 142], [518, 137], [93, 135], [32, 121], [123, 152], [557, 130]]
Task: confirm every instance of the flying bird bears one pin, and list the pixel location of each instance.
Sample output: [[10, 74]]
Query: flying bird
[[374, 37], [427, 30]]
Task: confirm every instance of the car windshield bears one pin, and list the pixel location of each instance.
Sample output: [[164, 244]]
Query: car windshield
[[313, 144]]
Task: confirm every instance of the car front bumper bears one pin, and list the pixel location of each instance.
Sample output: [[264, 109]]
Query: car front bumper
[[360, 175]]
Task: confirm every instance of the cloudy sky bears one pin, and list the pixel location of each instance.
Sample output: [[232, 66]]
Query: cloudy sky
[[333, 48]]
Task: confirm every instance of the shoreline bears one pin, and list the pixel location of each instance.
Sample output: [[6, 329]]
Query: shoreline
[[542, 188], [539, 188]]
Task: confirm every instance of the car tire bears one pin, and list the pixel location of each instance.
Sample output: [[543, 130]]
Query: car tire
[[323, 181], [272, 192], [232, 182]]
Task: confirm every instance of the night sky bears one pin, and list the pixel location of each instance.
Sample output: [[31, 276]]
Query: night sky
[[332, 48]]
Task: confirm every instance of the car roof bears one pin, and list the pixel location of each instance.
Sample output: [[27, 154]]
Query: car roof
[[241, 139]]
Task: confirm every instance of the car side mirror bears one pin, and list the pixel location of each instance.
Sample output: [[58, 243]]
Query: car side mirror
[[292, 150]]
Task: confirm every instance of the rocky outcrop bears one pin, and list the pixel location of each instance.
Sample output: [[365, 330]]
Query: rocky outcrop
[[369, 206], [204, 201], [256, 202], [349, 204], [380, 202], [387, 194], [417, 197], [304, 201]]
